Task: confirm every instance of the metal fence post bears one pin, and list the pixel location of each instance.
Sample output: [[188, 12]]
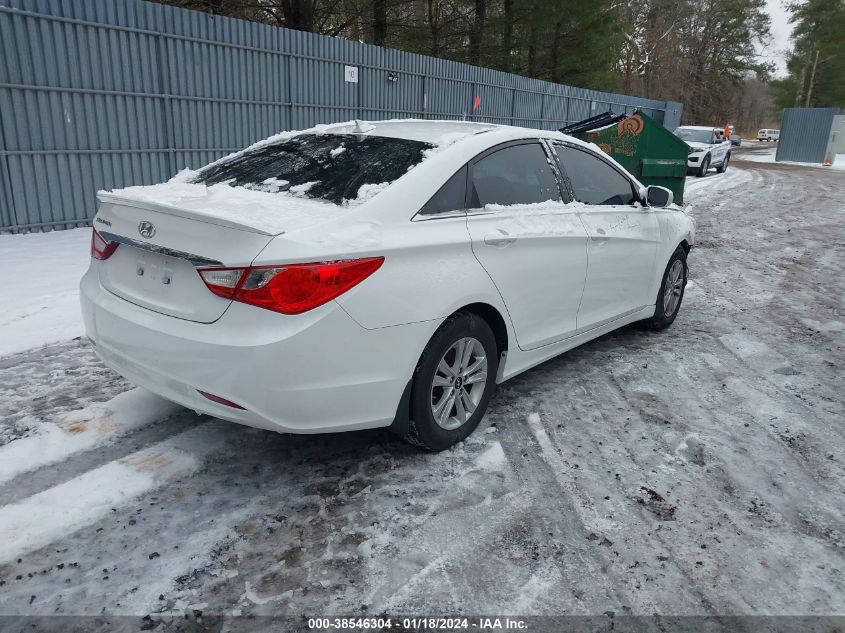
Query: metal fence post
[[167, 100], [513, 105], [7, 205]]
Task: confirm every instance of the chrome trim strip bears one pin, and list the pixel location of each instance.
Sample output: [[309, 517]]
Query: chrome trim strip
[[425, 217], [196, 260]]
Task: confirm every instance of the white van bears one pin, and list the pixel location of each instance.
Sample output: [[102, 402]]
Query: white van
[[768, 135]]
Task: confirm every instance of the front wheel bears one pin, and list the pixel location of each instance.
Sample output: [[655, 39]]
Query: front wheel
[[705, 165], [453, 382], [671, 292]]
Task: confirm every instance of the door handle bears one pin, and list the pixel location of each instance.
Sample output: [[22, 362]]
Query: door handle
[[499, 238]]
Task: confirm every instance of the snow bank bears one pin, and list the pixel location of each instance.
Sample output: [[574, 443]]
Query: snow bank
[[42, 273]]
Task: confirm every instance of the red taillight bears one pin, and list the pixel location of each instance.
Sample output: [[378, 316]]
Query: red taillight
[[101, 248], [291, 288]]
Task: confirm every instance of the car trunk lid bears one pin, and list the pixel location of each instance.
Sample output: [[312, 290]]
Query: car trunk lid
[[163, 243]]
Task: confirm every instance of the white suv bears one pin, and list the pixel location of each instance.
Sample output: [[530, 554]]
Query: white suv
[[707, 148]]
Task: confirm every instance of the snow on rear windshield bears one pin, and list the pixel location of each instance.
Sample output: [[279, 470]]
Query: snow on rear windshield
[[333, 167]]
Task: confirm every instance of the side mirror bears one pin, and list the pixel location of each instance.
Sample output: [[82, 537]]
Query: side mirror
[[658, 197]]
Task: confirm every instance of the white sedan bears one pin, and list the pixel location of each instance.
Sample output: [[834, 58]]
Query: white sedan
[[707, 148], [383, 274]]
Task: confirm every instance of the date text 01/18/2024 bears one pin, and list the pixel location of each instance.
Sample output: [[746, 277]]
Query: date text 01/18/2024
[[417, 624]]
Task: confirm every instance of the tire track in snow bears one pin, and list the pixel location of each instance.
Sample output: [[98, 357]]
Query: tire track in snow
[[82, 430], [555, 506], [684, 596], [747, 543], [39, 520]]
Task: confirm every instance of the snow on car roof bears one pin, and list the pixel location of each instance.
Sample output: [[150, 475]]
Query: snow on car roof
[[412, 129]]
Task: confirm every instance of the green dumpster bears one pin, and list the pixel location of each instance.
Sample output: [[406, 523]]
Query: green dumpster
[[645, 148]]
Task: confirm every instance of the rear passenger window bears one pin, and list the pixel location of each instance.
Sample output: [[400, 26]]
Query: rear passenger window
[[519, 174], [593, 180], [450, 197]]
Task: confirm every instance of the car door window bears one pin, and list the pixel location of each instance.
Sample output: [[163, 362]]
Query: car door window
[[518, 174], [450, 197], [593, 180]]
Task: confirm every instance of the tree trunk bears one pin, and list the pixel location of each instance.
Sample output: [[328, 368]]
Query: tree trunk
[[434, 26], [554, 54], [379, 22], [532, 50], [299, 14], [477, 32], [799, 86], [812, 80], [507, 36]]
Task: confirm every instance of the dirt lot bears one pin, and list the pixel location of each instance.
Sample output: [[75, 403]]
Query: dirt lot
[[695, 471]]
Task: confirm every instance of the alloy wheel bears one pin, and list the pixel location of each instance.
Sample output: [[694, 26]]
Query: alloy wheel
[[673, 288], [458, 384]]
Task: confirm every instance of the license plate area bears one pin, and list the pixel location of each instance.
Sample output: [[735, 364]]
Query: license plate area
[[165, 284], [155, 272]]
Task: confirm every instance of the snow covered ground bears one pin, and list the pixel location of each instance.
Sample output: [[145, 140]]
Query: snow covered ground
[[41, 272], [767, 155], [694, 471]]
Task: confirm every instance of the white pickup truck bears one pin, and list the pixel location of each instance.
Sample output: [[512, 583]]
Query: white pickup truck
[[708, 148]]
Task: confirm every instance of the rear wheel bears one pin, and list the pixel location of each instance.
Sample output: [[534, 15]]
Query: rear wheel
[[705, 165], [453, 382], [724, 166], [671, 292]]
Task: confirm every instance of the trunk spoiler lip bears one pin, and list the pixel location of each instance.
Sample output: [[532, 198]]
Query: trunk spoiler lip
[[161, 207], [198, 261]]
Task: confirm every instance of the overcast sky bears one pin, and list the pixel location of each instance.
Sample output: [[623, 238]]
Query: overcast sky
[[781, 30]]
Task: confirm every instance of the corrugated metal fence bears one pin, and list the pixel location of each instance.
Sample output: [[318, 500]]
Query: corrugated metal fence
[[96, 94], [804, 134]]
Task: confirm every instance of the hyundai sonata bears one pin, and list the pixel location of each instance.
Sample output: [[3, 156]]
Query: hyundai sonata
[[384, 274]]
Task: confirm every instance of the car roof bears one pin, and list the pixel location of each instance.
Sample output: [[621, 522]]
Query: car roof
[[437, 132], [698, 127], [411, 129]]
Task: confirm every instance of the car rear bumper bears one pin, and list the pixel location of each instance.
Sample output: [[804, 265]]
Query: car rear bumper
[[310, 373]]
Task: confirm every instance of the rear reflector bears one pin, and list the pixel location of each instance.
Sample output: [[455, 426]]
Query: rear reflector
[[220, 400], [291, 288], [101, 248]]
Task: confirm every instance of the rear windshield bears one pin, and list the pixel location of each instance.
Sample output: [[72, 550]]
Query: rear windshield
[[333, 167], [696, 136]]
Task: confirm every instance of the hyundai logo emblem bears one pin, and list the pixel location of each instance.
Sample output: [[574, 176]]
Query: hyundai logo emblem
[[146, 229]]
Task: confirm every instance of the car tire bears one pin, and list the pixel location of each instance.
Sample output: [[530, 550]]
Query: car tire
[[721, 169], [674, 280], [705, 165], [430, 427]]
